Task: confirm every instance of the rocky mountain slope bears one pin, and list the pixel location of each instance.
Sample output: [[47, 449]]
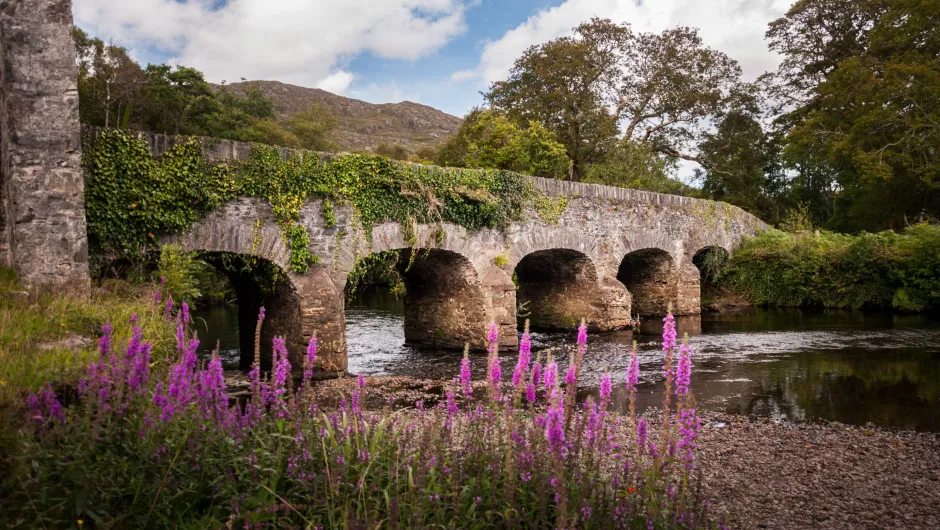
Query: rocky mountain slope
[[361, 125]]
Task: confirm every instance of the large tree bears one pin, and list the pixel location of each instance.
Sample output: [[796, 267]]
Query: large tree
[[859, 90], [488, 139], [607, 84], [110, 83]]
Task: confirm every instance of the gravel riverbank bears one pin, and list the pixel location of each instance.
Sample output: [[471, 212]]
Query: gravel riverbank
[[825, 476]]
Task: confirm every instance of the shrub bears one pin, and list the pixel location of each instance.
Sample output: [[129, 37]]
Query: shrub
[[175, 454], [842, 271]]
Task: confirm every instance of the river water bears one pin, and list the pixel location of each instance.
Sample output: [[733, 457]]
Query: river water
[[851, 367]]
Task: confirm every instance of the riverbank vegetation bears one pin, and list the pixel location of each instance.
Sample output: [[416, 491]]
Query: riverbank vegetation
[[887, 270], [155, 450], [52, 338]]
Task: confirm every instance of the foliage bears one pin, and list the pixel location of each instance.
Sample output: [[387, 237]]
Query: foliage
[[834, 270], [550, 210], [177, 271], [393, 151], [637, 166], [381, 268], [797, 219], [660, 88], [133, 198], [39, 336], [858, 86], [313, 128], [114, 91], [140, 450], [740, 163], [488, 139]]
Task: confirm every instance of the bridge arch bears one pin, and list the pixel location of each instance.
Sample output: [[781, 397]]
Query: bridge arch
[[558, 287], [652, 277]]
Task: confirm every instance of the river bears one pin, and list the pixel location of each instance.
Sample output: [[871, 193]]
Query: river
[[848, 366]]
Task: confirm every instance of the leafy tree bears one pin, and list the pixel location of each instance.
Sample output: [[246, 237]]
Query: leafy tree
[[738, 158], [393, 151], [859, 86], [313, 127], [110, 83], [637, 166], [175, 94], [608, 84], [488, 139]]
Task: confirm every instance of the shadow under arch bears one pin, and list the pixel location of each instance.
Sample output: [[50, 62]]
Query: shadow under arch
[[257, 283], [651, 276], [444, 305], [710, 261], [558, 287]]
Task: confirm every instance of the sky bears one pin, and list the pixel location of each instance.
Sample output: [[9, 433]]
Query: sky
[[441, 53]]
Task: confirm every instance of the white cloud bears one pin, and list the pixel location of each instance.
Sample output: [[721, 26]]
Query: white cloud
[[296, 41], [337, 82], [735, 27]]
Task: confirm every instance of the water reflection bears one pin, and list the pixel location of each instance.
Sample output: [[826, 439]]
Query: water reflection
[[851, 367]]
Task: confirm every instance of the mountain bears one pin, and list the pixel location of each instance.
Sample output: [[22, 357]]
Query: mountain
[[362, 126]]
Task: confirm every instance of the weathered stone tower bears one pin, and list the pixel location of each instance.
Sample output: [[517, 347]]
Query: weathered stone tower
[[42, 218]]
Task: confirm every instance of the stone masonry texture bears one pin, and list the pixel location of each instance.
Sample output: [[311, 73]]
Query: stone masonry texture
[[43, 215]]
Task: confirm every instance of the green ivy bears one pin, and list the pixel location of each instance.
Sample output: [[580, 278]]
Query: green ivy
[[133, 198]]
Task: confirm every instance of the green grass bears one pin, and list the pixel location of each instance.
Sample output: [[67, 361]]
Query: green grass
[[32, 331]]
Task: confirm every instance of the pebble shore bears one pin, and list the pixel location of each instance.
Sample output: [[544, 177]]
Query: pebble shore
[[819, 475]]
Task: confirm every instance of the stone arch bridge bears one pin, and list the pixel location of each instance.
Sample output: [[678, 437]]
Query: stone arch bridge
[[612, 253]]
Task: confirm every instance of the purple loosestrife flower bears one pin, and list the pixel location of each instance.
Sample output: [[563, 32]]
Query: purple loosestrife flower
[[571, 376], [605, 387], [633, 373], [669, 332], [688, 432], [104, 343], [310, 359], [261, 313], [492, 337], [684, 371], [168, 310], [555, 421], [551, 376], [522, 366], [530, 393], [185, 313], [642, 434], [44, 407], [452, 408], [536, 373], [281, 367], [465, 375], [582, 335], [140, 373]]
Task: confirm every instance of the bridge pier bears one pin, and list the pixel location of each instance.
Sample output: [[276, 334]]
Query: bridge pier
[[559, 287]]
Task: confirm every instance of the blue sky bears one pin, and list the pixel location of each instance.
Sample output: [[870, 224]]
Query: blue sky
[[440, 53]]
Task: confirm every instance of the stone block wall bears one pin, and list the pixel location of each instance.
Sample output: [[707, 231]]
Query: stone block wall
[[42, 219]]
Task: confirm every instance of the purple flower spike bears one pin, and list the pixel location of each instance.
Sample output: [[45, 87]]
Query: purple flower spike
[[185, 313], [684, 370], [582, 334], [571, 376], [605, 387], [642, 434], [465, 376], [261, 313], [669, 332], [522, 366], [310, 359], [555, 422]]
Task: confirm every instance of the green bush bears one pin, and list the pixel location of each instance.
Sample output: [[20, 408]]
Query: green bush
[[883, 270]]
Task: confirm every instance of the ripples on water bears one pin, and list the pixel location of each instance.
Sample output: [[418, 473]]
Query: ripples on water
[[843, 366]]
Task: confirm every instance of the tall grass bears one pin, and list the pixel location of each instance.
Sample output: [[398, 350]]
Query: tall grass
[[52, 338], [135, 453]]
